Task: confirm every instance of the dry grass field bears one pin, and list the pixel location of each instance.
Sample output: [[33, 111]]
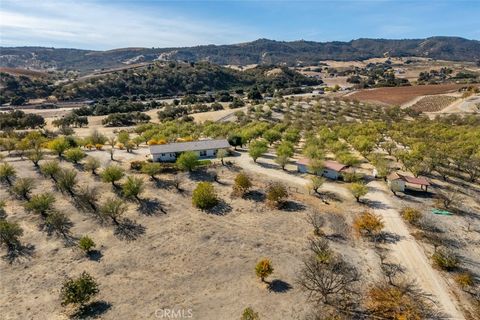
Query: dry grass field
[[401, 95], [182, 258]]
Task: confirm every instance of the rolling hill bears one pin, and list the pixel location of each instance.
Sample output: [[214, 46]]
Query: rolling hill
[[262, 51]]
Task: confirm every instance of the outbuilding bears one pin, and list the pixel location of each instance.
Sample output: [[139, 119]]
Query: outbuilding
[[330, 169], [398, 182], [204, 148]]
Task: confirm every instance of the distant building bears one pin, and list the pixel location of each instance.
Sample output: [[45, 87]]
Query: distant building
[[204, 149], [398, 182], [331, 169]]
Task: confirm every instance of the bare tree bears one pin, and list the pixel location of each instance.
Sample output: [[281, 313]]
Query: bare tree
[[317, 221]]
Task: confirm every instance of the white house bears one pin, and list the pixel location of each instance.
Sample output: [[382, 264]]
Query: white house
[[330, 169], [395, 182], [204, 149], [398, 182]]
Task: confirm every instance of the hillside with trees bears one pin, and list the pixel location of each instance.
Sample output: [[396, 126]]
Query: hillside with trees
[[262, 51]]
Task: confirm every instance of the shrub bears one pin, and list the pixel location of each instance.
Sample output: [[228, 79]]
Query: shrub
[[187, 161], [92, 164], [40, 203], [50, 169], [79, 291], [10, 232], [59, 145], [204, 196], [113, 209], [358, 190], [35, 156], [74, 155], [276, 193], [465, 280], [67, 181], [411, 215], [23, 187], [58, 223], [321, 249], [249, 314], [133, 187], [86, 244], [263, 269], [241, 184], [7, 173], [112, 174], [445, 259], [368, 224], [151, 169]]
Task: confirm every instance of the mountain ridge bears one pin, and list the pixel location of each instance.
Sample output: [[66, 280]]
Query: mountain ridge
[[260, 51]]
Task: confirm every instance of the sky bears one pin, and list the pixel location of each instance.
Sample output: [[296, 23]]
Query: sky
[[110, 24]]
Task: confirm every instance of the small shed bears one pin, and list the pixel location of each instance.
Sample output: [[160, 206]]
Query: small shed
[[331, 169], [204, 149], [398, 182]]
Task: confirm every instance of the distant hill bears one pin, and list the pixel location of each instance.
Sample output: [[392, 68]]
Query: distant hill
[[262, 51]]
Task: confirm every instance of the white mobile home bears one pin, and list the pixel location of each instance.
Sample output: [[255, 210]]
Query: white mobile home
[[330, 169], [204, 149]]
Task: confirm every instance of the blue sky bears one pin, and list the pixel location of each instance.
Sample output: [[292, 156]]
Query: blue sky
[[97, 24]]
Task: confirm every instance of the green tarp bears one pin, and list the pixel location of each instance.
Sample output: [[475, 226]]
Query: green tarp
[[442, 212]]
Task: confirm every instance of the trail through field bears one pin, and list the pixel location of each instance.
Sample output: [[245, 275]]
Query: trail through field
[[409, 254]]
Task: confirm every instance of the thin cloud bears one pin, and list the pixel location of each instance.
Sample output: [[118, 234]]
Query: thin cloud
[[94, 25]]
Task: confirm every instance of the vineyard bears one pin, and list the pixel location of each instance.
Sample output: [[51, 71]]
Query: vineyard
[[433, 103]]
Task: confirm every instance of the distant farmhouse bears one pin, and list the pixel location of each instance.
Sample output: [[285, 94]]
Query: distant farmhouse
[[204, 149], [398, 182], [331, 169]]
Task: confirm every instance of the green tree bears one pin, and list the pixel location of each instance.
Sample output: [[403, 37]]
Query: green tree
[[23, 187], [35, 156], [92, 164], [114, 209], [222, 153], [152, 169], [133, 187], [7, 173], [272, 135], [57, 223], [263, 269], [112, 141], [187, 161], [256, 149], [284, 151], [316, 183], [276, 193], [242, 184], [86, 244], [123, 136], [67, 181], [79, 291], [74, 155], [59, 145], [236, 141], [358, 190], [40, 203], [112, 174], [50, 169], [10, 232], [204, 196]]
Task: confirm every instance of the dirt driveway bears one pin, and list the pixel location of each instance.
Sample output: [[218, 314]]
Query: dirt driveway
[[406, 251]]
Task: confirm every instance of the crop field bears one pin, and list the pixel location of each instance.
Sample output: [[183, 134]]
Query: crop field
[[433, 103], [401, 95]]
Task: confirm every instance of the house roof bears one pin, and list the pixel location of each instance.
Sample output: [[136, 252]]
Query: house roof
[[397, 176], [327, 164], [189, 146]]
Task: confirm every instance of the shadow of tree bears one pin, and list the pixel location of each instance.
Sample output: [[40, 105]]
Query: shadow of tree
[[255, 195], [95, 255], [129, 230], [221, 209], [19, 253], [279, 286], [387, 237], [375, 204], [292, 206], [93, 310], [151, 207]]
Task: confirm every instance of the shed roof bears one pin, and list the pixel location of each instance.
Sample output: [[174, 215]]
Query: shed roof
[[189, 146], [397, 176], [327, 164]]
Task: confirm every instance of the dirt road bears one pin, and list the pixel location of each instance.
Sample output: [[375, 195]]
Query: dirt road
[[406, 251], [409, 254]]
